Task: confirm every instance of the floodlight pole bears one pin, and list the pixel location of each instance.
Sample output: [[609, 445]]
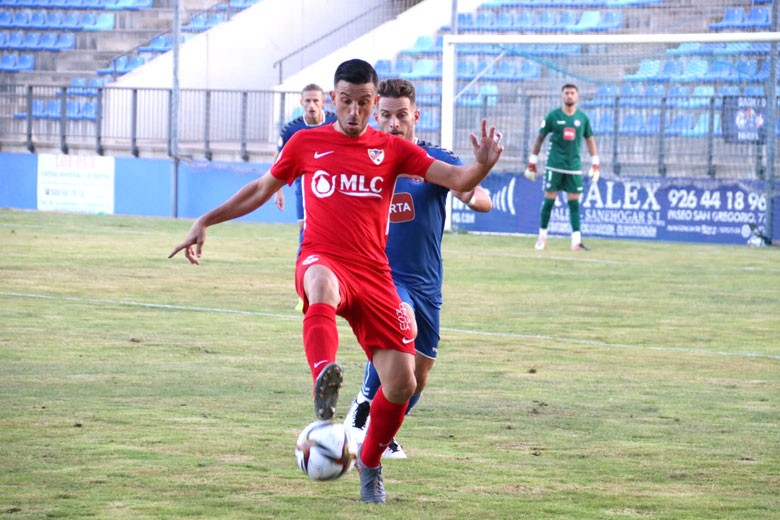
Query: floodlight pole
[[771, 130], [174, 114]]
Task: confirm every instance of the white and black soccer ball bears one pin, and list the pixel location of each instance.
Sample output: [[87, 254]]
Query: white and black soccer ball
[[325, 450]]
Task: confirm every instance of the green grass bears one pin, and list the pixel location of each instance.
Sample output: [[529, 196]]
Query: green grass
[[637, 381]]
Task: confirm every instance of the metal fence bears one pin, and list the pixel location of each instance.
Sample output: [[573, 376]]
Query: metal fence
[[244, 125]]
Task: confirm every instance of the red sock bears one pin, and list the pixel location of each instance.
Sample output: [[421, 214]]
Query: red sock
[[320, 337], [386, 420]]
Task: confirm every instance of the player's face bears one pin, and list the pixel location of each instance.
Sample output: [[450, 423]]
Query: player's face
[[313, 102], [570, 97], [354, 105], [397, 116]]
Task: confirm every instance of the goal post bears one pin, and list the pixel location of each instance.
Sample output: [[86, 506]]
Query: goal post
[[615, 60]]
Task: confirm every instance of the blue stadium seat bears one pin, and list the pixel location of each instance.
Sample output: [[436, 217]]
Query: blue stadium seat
[[485, 21], [630, 95], [32, 41], [685, 49], [671, 71], [648, 70], [505, 21], [677, 95], [526, 21], [15, 40], [653, 94], [589, 21], [611, 21], [702, 127], [114, 68], [652, 126], [733, 18], [679, 124], [758, 18], [720, 71], [8, 62], [505, 70], [37, 20], [383, 68], [428, 122], [701, 96], [465, 21], [529, 70], [88, 110], [754, 90], [66, 41], [733, 48], [49, 42], [197, 23], [422, 68], [604, 97], [26, 62], [72, 21], [466, 69], [566, 19], [428, 94], [6, 18], [604, 123], [632, 124], [103, 22], [696, 70], [21, 19]]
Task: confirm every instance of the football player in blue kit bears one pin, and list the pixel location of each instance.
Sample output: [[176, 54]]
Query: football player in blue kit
[[314, 115], [413, 248]]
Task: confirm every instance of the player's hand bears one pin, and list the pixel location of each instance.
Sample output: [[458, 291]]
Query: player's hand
[[279, 200], [196, 237], [531, 172], [488, 148], [594, 173]]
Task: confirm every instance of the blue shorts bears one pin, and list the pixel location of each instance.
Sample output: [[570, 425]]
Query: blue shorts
[[298, 199], [427, 314]]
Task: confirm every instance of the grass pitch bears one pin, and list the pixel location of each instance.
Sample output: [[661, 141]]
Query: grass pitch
[[638, 380]]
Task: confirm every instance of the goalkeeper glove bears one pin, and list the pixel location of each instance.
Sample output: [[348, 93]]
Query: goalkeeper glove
[[594, 172], [531, 172]]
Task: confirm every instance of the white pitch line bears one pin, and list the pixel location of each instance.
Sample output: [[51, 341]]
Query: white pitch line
[[444, 329]]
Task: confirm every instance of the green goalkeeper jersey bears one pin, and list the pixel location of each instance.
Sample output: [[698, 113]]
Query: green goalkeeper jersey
[[567, 133]]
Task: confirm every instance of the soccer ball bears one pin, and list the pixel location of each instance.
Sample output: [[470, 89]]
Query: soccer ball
[[325, 450]]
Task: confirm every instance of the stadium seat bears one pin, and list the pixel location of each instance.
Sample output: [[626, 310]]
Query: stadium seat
[[505, 21], [428, 122], [566, 19], [15, 40], [679, 124], [485, 21], [66, 41], [114, 68], [421, 69], [733, 17], [671, 71], [53, 109], [653, 94], [88, 110], [384, 68], [611, 21], [729, 90], [604, 96], [26, 62], [702, 126], [604, 123], [648, 69], [8, 62], [403, 65], [720, 71], [465, 21], [677, 95], [74, 4], [630, 95], [733, 48], [754, 90], [78, 87], [37, 20], [746, 70], [6, 18], [32, 42], [466, 69], [21, 20], [758, 18], [428, 94], [701, 96], [104, 22], [529, 70], [71, 21], [589, 21], [632, 123], [526, 21], [685, 49], [505, 70], [695, 70]]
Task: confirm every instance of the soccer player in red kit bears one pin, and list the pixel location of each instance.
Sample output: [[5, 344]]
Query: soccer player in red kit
[[348, 174]]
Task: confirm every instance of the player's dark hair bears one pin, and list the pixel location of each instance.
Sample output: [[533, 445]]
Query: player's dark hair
[[357, 72], [313, 87], [396, 88], [569, 85]]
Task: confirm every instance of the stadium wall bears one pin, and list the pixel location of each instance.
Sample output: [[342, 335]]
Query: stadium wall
[[126, 186], [718, 211]]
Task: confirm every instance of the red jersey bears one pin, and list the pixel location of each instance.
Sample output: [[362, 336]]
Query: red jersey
[[347, 185]]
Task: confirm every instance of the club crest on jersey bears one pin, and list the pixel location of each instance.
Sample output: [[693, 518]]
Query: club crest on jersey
[[376, 155]]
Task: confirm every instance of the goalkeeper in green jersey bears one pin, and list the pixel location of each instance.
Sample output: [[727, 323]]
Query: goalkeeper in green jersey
[[563, 169]]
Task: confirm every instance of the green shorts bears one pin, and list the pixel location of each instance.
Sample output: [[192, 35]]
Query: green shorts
[[556, 181]]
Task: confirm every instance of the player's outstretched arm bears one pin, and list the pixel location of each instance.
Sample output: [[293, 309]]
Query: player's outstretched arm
[[246, 200], [477, 199], [487, 151]]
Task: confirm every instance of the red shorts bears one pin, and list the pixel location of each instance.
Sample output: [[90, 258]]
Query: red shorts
[[369, 303]]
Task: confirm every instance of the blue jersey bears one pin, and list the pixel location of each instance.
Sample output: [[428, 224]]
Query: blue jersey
[[417, 217], [299, 123]]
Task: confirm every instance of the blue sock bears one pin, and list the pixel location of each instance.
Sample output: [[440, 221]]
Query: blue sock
[[370, 382], [413, 401]]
